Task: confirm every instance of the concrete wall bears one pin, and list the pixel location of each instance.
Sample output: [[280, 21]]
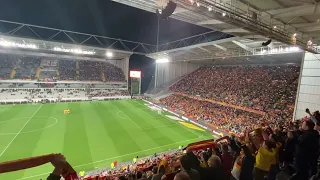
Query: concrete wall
[[123, 64], [308, 95], [166, 72]]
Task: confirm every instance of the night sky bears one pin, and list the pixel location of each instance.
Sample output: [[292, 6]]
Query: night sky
[[101, 17]]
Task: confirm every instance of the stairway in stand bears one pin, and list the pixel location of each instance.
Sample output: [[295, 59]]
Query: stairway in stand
[[77, 70], [103, 77], [13, 73], [38, 72]]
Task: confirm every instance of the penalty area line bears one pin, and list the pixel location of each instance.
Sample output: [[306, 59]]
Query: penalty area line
[[126, 116]]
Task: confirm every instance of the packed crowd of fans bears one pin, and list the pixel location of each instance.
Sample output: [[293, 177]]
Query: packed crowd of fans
[[6, 66], [269, 89], [224, 117], [112, 72], [26, 66], [67, 70], [97, 71], [90, 71], [256, 87], [107, 93], [29, 94]]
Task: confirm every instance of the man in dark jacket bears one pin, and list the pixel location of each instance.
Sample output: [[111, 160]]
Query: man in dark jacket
[[215, 169], [306, 152], [247, 164]]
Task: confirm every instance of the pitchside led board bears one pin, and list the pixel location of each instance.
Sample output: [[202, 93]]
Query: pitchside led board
[[135, 82]]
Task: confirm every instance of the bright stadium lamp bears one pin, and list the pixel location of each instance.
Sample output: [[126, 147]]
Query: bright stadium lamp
[[162, 60], [109, 54]]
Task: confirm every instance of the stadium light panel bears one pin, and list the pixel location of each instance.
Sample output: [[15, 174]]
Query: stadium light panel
[[162, 60], [109, 54], [6, 43], [76, 50]]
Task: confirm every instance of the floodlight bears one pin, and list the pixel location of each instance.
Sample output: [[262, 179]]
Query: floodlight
[[162, 60], [109, 54]]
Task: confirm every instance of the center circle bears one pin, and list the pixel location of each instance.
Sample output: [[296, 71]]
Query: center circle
[[36, 117]]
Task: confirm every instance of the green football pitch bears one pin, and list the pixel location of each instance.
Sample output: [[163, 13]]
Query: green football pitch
[[93, 135]]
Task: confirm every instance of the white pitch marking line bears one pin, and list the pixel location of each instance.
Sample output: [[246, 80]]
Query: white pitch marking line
[[127, 117], [116, 157], [181, 125], [155, 127], [20, 131], [56, 121]]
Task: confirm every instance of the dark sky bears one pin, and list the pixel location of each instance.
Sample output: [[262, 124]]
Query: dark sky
[[99, 17]]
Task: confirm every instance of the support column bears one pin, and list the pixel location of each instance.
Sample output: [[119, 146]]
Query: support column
[[308, 95]]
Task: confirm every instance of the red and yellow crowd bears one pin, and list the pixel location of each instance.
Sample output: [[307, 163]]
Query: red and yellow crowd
[[224, 117], [257, 87], [244, 96]]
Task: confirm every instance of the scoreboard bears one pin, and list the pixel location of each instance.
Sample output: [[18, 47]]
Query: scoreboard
[[135, 77]]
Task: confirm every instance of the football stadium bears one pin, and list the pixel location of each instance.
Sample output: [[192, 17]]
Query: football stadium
[[186, 90]]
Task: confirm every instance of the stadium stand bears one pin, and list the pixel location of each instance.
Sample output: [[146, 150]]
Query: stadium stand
[[107, 93], [12, 93], [224, 117], [112, 73], [241, 85], [29, 67], [6, 66], [67, 70], [26, 68], [236, 93], [90, 71]]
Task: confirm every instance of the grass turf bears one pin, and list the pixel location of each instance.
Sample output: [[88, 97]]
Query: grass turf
[[92, 136]]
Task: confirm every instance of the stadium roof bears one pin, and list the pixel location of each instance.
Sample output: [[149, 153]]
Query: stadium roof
[[291, 16], [270, 59], [232, 34], [279, 20]]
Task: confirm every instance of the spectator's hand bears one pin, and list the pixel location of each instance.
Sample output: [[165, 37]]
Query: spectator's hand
[[58, 160], [308, 111]]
